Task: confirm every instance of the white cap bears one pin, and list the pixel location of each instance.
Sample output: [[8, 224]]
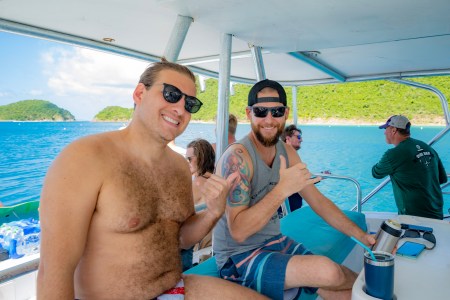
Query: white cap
[[397, 121]]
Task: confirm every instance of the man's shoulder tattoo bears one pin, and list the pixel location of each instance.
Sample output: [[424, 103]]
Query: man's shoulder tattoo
[[233, 162]]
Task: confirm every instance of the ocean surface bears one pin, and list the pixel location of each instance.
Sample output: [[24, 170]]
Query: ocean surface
[[28, 148]]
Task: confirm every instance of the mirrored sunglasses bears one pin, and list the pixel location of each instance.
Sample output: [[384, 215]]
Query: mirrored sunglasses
[[172, 95], [299, 136], [428, 236], [262, 112]]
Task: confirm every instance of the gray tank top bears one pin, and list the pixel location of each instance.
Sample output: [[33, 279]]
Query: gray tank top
[[264, 180]]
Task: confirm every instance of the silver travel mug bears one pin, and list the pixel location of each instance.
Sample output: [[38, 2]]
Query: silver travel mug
[[387, 236], [379, 275]]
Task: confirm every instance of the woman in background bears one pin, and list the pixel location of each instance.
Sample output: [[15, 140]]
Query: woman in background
[[201, 157]]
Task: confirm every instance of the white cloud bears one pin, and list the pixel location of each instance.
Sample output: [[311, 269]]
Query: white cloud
[[86, 81]]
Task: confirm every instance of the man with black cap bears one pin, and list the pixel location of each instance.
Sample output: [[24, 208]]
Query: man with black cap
[[248, 244], [415, 169]]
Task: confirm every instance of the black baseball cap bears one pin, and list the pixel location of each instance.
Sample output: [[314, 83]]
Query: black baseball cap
[[253, 94]]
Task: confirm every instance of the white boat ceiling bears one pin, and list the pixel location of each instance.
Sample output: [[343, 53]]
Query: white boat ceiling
[[302, 42]]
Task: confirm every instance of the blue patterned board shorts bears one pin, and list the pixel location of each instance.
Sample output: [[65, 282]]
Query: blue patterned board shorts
[[264, 269]]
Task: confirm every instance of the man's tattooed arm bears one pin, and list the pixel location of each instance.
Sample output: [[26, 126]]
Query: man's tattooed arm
[[240, 191]]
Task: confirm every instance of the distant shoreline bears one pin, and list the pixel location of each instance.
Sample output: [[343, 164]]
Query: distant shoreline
[[334, 122], [316, 122]]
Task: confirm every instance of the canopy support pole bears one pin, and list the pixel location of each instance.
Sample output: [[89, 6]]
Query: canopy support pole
[[224, 89], [294, 105], [258, 62], [177, 38]]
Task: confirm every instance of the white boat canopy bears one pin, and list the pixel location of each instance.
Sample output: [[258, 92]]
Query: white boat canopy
[[299, 42], [295, 42]]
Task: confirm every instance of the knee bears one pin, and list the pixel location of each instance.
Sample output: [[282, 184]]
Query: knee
[[337, 276], [333, 273]]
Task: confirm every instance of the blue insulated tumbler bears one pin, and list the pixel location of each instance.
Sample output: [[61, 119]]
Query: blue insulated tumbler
[[379, 275]]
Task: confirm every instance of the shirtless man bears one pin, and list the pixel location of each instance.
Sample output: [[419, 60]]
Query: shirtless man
[[117, 207]]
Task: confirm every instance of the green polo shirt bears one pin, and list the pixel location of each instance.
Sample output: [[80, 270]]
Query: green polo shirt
[[416, 173]]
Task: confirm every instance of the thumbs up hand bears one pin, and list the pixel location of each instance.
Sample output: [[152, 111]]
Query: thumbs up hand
[[215, 192], [294, 178]]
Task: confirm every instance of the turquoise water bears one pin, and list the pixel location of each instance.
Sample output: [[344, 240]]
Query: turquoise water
[[28, 148]]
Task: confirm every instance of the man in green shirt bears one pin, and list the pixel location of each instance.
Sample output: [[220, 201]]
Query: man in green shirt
[[415, 169]]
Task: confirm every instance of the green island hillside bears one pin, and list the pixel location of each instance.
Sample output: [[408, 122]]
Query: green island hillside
[[114, 113], [34, 110], [368, 102]]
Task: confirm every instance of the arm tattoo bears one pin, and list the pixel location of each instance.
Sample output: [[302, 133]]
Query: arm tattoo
[[240, 191]]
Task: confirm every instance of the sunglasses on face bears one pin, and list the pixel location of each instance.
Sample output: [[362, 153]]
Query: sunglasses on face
[[428, 236], [299, 136], [172, 95], [262, 112]]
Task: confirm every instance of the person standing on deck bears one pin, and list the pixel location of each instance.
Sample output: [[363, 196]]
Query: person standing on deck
[[232, 126], [415, 169], [247, 241], [116, 207]]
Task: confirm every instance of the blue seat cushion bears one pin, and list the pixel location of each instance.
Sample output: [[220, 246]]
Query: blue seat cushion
[[305, 226], [206, 268]]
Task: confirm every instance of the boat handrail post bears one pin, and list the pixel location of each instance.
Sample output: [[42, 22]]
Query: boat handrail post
[[357, 207], [224, 94], [444, 185], [374, 191]]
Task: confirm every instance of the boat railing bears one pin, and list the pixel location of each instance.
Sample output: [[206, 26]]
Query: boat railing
[[357, 207], [443, 186], [373, 192], [386, 181]]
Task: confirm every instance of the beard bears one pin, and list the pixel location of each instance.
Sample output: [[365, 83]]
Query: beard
[[267, 142]]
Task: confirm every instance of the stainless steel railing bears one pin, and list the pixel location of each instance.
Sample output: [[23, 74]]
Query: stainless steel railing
[[357, 207], [443, 186]]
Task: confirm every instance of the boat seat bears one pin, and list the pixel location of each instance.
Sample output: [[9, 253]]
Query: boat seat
[[306, 226]]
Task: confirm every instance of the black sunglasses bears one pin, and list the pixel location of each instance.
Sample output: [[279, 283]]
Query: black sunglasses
[[172, 95], [428, 236], [261, 111]]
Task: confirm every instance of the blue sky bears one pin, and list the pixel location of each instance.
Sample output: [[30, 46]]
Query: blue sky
[[80, 80]]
